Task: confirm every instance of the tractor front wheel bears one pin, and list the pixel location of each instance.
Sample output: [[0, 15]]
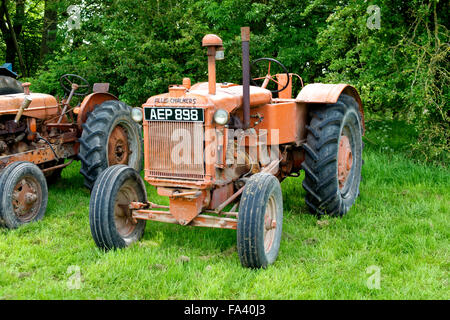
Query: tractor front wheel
[[23, 194], [260, 221], [111, 220], [110, 137]]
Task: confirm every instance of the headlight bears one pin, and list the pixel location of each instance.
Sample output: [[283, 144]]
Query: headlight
[[136, 115], [221, 117]]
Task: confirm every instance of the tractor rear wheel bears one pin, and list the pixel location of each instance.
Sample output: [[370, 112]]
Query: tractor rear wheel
[[9, 85], [260, 221], [23, 194], [111, 221], [110, 137], [333, 157]]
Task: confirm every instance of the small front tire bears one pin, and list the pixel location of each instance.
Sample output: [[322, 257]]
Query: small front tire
[[111, 221], [23, 195], [260, 221]]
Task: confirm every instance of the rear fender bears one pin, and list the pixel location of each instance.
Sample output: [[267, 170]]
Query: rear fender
[[89, 103], [329, 94]]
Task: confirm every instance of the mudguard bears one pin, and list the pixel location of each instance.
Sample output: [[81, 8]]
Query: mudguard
[[90, 102], [329, 94]]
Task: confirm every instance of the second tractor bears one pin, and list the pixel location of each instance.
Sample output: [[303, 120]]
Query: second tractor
[[40, 135]]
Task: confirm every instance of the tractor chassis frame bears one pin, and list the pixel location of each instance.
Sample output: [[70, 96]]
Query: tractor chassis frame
[[164, 215], [44, 155], [208, 218]]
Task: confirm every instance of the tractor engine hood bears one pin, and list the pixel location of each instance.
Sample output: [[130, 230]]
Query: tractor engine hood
[[42, 107], [228, 97]]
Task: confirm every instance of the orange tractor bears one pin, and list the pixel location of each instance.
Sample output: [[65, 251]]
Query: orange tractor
[[219, 151], [38, 134]]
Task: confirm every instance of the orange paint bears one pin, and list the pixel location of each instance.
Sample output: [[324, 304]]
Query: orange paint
[[213, 184]]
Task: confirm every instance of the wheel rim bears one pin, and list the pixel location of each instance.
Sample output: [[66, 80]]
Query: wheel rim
[[270, 224], [118, 147], [345, 161], [125, 224], [27, 198]]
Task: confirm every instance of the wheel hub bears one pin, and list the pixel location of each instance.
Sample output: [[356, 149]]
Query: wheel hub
[[270, 224], [123, 217], [25, 199], [345, 161], [118, 151]]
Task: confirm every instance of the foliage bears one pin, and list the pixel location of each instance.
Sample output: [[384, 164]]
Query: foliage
[[400, 70], [141, 47]]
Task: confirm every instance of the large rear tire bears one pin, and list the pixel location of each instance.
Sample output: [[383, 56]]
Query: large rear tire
[[260, 221], [333, 157], [23, 194], [110, 219], [110, 137]]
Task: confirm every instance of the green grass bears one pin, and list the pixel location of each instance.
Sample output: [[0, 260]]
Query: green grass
[[399, 224]]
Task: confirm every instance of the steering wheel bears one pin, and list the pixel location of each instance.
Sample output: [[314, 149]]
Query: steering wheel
[[269, 77], [68, 80]]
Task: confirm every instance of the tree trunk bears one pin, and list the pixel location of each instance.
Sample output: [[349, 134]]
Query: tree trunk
[[13, 31], [49, 28], [6, 35]]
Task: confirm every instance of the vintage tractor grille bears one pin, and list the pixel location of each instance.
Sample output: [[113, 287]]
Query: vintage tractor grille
[[176, 150]]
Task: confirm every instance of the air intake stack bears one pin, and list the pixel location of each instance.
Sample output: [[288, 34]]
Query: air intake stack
[[214, 45]]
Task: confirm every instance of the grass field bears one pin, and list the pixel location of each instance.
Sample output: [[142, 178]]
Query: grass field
[[399, 225]]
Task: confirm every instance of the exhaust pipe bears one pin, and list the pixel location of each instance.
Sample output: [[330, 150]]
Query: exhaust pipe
[[245, 35]]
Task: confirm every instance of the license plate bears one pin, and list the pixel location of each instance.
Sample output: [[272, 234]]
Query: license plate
[[175, 114]]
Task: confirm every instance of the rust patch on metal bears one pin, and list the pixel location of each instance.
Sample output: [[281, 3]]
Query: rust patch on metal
[[118, 148], [123, 216], [41, 155], [345, 161], [185, 209], [89, 103], [26, 199], [199, 221]]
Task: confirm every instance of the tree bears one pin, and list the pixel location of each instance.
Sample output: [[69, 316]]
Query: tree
[[12, 31], [50, 24]]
